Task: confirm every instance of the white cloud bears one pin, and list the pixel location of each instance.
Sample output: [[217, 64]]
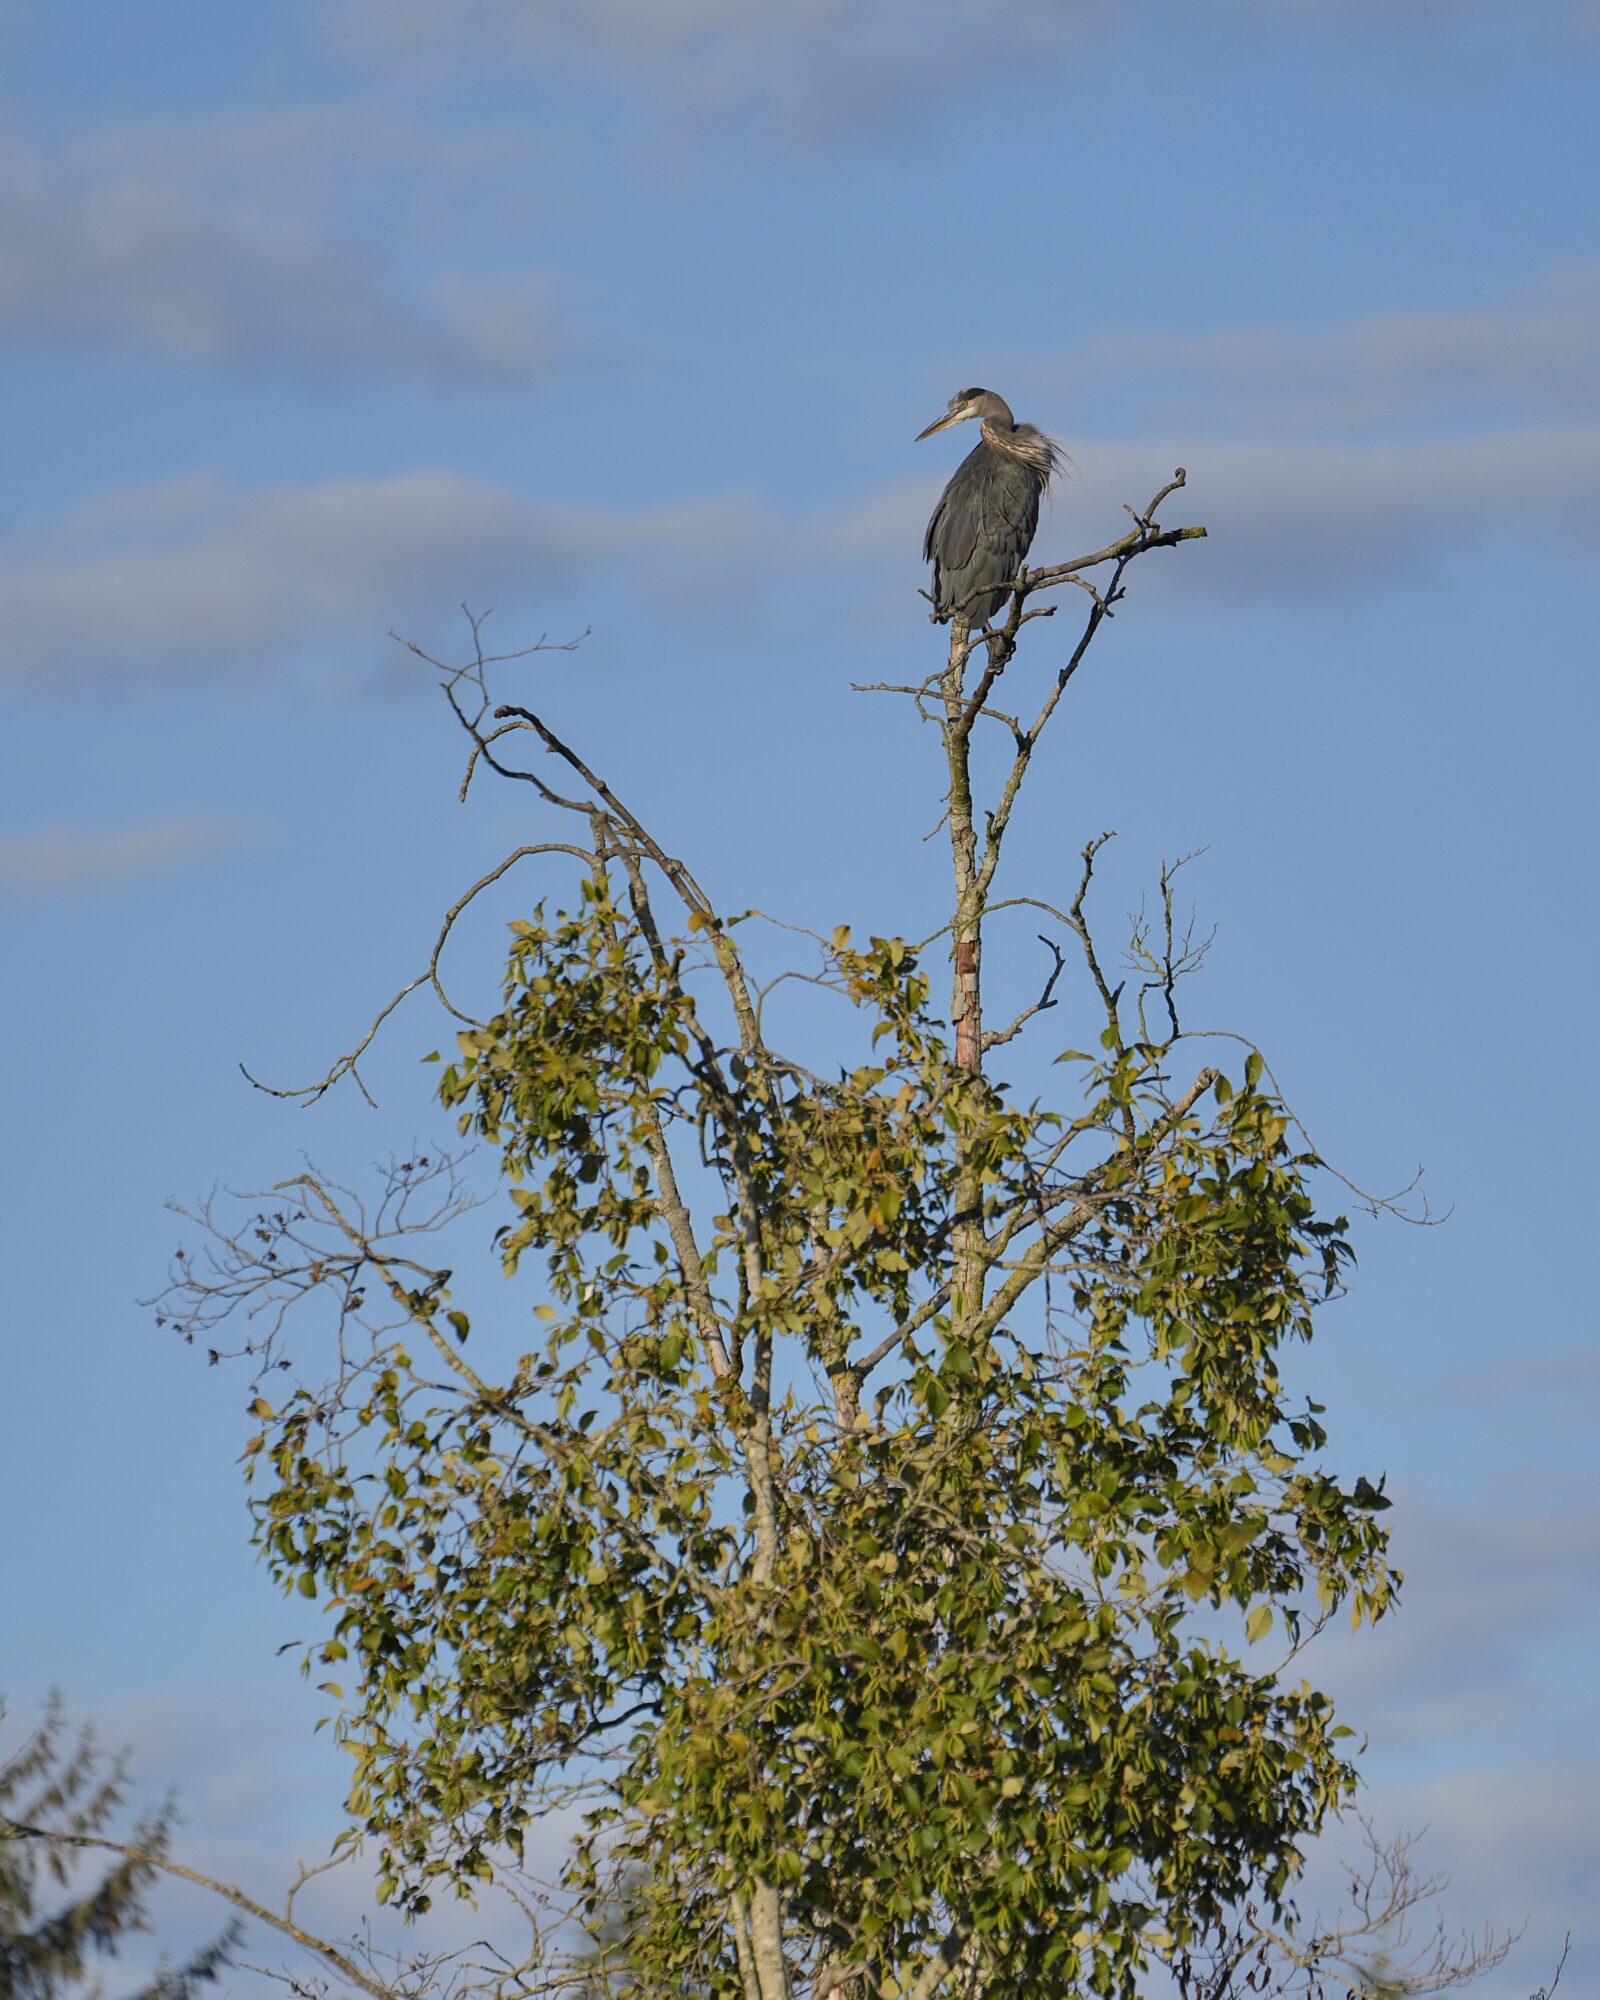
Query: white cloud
[[1567, 1377], [505, 325], [823, 64], [1285, 514], [1534, 353], [289, 154], [199, 578], [1463, 1668], [1481, 1739], [1517, 1843], [1532, 18], [214, 247], [820, 64], [52, 860]]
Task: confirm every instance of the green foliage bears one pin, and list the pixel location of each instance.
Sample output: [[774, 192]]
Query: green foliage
[[53, 1928], [965, 1684]]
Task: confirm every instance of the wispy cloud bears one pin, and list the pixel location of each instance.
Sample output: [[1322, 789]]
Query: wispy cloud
[[52, 860], [1516, 1844], [1533, 353], [1480, 1738], [199, 577], [1579, 18], [347, 155], [223, 253], [819, 66], [1567, 1376], [1489, 1596], [825, 63], [1286, 515]]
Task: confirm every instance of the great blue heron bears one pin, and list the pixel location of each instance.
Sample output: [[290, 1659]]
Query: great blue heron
[[983, 526]]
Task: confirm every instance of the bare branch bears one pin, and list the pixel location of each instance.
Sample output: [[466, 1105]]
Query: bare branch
[[995, 1037], [1145, 535], [935, 1303], [284, 1923], [429, 976], [1035, 1261]]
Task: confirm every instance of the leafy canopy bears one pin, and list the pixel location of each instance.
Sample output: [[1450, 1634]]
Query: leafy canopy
[[965, 1678]]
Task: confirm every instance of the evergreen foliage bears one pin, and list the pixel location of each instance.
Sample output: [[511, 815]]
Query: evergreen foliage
[[54, 1929]]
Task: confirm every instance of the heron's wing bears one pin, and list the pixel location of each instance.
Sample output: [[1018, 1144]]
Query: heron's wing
[[1008, 501], [981, 530], [991, 502], [953, 527]]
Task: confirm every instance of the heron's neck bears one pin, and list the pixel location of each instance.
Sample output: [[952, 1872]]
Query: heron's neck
[[1040, 454]]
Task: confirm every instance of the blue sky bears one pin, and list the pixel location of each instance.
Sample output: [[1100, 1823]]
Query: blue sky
[[320, 319]]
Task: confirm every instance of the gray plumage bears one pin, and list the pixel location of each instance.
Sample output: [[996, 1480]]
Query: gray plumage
[[983, 526]]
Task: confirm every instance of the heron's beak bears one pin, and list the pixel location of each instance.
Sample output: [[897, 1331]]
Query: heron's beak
[[950, 417]]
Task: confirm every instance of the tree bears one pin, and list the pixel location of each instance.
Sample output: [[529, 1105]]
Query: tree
[[895, 1535], [53, 1929]]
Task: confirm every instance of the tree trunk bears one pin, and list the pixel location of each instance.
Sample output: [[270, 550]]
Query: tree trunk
[[966, 1003]]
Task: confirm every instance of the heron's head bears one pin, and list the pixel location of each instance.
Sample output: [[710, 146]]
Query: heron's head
[[983, 404]]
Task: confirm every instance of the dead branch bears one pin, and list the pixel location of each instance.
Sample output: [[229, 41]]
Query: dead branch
[[283, 1922], [994, 1038], [428, 976]]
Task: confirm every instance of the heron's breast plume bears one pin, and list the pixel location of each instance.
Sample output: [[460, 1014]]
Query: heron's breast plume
[[1041, 454]]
